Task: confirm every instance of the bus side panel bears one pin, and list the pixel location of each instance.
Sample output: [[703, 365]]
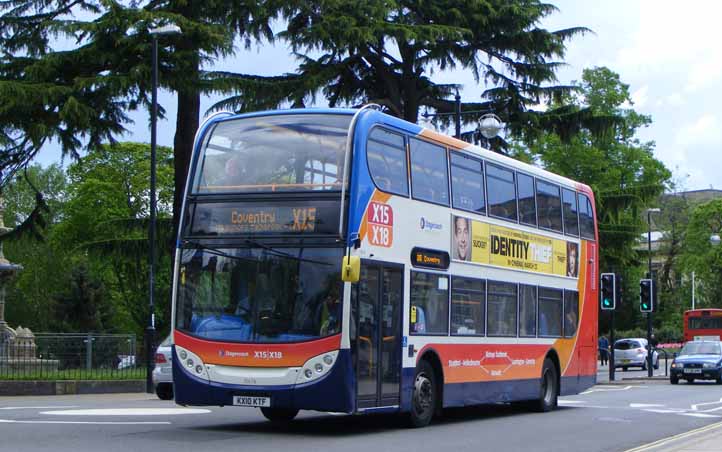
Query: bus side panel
[[578, 356], [334, 392]]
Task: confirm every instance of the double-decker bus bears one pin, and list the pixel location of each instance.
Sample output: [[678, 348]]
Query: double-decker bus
[[703, 324], [348, 261]]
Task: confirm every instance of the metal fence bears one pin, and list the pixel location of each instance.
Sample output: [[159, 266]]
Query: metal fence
[[71, 356]]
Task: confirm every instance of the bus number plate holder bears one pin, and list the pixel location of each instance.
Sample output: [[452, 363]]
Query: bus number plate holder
[[260, 402]]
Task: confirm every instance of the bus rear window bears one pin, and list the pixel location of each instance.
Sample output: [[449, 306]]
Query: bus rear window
[[289, 153]]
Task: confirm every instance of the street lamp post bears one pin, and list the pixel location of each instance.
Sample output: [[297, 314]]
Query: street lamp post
[[653, 292], [489, 124], [150, 330]]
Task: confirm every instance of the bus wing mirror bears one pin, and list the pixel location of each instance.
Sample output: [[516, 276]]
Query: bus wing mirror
[[351, 269]]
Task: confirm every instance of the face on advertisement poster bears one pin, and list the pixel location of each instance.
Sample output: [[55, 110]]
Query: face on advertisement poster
[[572, 259], [461, 242]]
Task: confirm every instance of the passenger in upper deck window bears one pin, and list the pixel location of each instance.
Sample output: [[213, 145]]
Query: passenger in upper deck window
[[235, 172]]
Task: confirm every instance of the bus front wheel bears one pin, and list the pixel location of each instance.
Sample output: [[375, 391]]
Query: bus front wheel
[[549, 390], [423, 400], [279, 414]]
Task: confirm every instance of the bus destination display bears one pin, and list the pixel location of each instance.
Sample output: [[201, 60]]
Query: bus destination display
[[240, 219]]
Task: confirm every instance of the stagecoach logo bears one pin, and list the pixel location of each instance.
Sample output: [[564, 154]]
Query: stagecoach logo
[[427, 225], [230, 354]]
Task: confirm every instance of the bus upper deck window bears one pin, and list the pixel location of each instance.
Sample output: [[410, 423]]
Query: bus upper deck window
[[386, 157]]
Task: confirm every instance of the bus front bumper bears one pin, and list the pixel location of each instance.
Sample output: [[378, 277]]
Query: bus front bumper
[[333, 392]]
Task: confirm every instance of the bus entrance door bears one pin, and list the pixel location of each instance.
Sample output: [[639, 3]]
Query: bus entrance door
[[376, 307]]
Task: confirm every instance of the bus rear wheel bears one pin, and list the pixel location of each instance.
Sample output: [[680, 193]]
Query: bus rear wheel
[[549, 390], [423, 399], [279, 414]]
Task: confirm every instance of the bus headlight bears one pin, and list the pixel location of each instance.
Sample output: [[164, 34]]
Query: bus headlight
[[193, 363], [317, 367]]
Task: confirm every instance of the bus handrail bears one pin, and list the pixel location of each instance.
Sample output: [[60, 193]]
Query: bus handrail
[[347, 158]]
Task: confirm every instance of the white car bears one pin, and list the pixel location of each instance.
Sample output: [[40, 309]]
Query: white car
[[633, 353], [163, 370]]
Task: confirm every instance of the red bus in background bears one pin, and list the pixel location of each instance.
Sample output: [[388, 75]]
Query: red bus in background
[[701, 324]]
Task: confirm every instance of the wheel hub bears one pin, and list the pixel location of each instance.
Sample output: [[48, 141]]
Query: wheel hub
[[423, 393]]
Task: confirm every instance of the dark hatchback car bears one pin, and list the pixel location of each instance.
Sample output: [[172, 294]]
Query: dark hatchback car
[[698, 360]]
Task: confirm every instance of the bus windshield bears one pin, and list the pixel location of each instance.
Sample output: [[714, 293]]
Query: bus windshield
[[288, 153], [260, 295]]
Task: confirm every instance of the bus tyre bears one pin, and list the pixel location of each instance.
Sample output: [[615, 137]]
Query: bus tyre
[[549, 390], [424, 397], [279, 414]]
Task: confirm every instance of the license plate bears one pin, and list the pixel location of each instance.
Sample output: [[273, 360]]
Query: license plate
[[261, 402], [626, 361], [693, 371]]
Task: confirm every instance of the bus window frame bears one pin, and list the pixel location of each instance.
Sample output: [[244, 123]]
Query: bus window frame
[[536, 311], [561, 318], [536, 210], [411, 172], [561, 205], [564, 217], [486, 190], [404, 138], [564, 313], [448, 302], [516, 330], [591, 213], [483, 180], [486, 291]]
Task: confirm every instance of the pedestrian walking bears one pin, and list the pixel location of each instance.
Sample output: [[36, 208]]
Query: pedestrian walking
[[603, 350]]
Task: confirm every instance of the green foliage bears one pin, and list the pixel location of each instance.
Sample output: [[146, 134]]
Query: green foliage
[[106, 219], [386, 52], [622, 171], [92, 272], [702, 257], [83, 305]]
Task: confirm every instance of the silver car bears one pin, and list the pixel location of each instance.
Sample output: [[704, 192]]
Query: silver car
[[163, 371], [633, 353]]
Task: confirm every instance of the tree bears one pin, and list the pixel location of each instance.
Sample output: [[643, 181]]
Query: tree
[[45, 268], [72, 69], [702, 257], [386, 52], [622, 171], [106, 217]]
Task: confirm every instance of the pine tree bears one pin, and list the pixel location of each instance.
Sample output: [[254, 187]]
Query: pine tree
[[386, 52]]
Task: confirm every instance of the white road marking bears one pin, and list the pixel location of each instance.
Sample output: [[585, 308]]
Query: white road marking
[[609, 389], [700, 415], [667, 411], [11, 421], [571, 402], [129, 412], [645, 405], [696, 406], [37, 407]]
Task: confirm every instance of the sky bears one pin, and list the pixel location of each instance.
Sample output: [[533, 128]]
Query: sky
[[668, 52]]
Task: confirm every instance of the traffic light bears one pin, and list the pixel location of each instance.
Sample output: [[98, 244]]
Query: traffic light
[[646, 295], [608, 285]]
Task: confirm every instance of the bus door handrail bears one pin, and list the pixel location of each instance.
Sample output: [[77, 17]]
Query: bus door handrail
[[347, 159]]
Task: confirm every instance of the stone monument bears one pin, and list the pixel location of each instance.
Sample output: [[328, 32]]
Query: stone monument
[[17, 346]]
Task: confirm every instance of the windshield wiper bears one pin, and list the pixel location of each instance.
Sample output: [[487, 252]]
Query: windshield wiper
[[282, 254], [218, 252], [215, 251]]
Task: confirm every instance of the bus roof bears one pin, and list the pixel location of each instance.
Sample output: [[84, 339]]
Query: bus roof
[[428, 134]]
